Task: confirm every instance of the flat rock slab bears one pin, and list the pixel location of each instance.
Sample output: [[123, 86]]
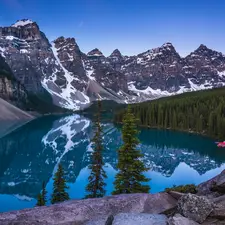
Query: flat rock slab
[[82, 211], [139, 218]]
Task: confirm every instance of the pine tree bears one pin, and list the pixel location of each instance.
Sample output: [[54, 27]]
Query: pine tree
[[59, 186], [44, 193], [42, 199], [130, 176], [39, 200], [95, 187]]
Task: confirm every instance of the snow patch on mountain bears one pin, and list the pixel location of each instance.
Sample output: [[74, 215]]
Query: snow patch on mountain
[[221, 73], [89, 70], [69, 91], [90, 73], [2, 50], [10, 38], [21, 23], [195, 87], [148, 91]]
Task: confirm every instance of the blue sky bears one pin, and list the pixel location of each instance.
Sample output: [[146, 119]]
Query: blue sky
[[132, 26]]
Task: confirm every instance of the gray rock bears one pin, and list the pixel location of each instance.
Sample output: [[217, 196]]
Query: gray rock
[[210, 187], [139, 218], [176, 195], [195, 207], [180, 220], [81, 211]]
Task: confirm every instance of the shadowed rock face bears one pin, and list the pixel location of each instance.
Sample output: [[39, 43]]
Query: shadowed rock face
[[10, 89], [81, 211], [25, 49], [71, 58]]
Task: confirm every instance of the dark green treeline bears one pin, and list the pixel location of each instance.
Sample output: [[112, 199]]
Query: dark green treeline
[[202, 112]]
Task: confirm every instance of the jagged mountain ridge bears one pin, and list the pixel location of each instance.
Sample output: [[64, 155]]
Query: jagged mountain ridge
[[75, 79]]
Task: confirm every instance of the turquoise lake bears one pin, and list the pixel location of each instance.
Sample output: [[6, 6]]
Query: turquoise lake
[[30, 155]]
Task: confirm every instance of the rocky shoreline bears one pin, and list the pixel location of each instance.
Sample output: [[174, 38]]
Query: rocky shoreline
[[207, 207]]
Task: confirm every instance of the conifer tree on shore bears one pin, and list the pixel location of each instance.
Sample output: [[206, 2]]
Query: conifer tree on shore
[[96, 185], [42, 199], [59, 186], [130, 177]]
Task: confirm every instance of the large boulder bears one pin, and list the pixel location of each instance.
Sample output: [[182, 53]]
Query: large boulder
[[213, 186], [195, 207], [139, 218], [180, 220], [219, 210], [82, 211]]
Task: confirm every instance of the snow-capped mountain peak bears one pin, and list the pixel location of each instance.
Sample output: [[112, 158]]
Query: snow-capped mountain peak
[[23, 22], [95, 52], [116, 53], [167, 45]]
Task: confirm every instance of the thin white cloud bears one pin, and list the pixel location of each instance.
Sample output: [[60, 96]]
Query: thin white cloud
[[81, 24]]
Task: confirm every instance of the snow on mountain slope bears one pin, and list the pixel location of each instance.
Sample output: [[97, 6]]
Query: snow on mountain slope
[[73, 98], [21, 23], [162, 72]]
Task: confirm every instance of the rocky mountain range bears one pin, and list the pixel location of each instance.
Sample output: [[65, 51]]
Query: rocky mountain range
[[60, 73]]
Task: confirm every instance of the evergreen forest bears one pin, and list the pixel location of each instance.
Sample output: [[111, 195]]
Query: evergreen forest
[[200, 112]]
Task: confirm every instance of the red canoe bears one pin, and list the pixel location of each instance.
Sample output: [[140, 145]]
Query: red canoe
[[221, 144]]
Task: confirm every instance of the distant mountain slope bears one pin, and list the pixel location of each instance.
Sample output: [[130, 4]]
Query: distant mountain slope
[[61, 74], [11, 117], [10, 112], [201, 112]]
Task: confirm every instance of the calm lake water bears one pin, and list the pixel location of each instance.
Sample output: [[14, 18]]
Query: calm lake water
[[30, 155]]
